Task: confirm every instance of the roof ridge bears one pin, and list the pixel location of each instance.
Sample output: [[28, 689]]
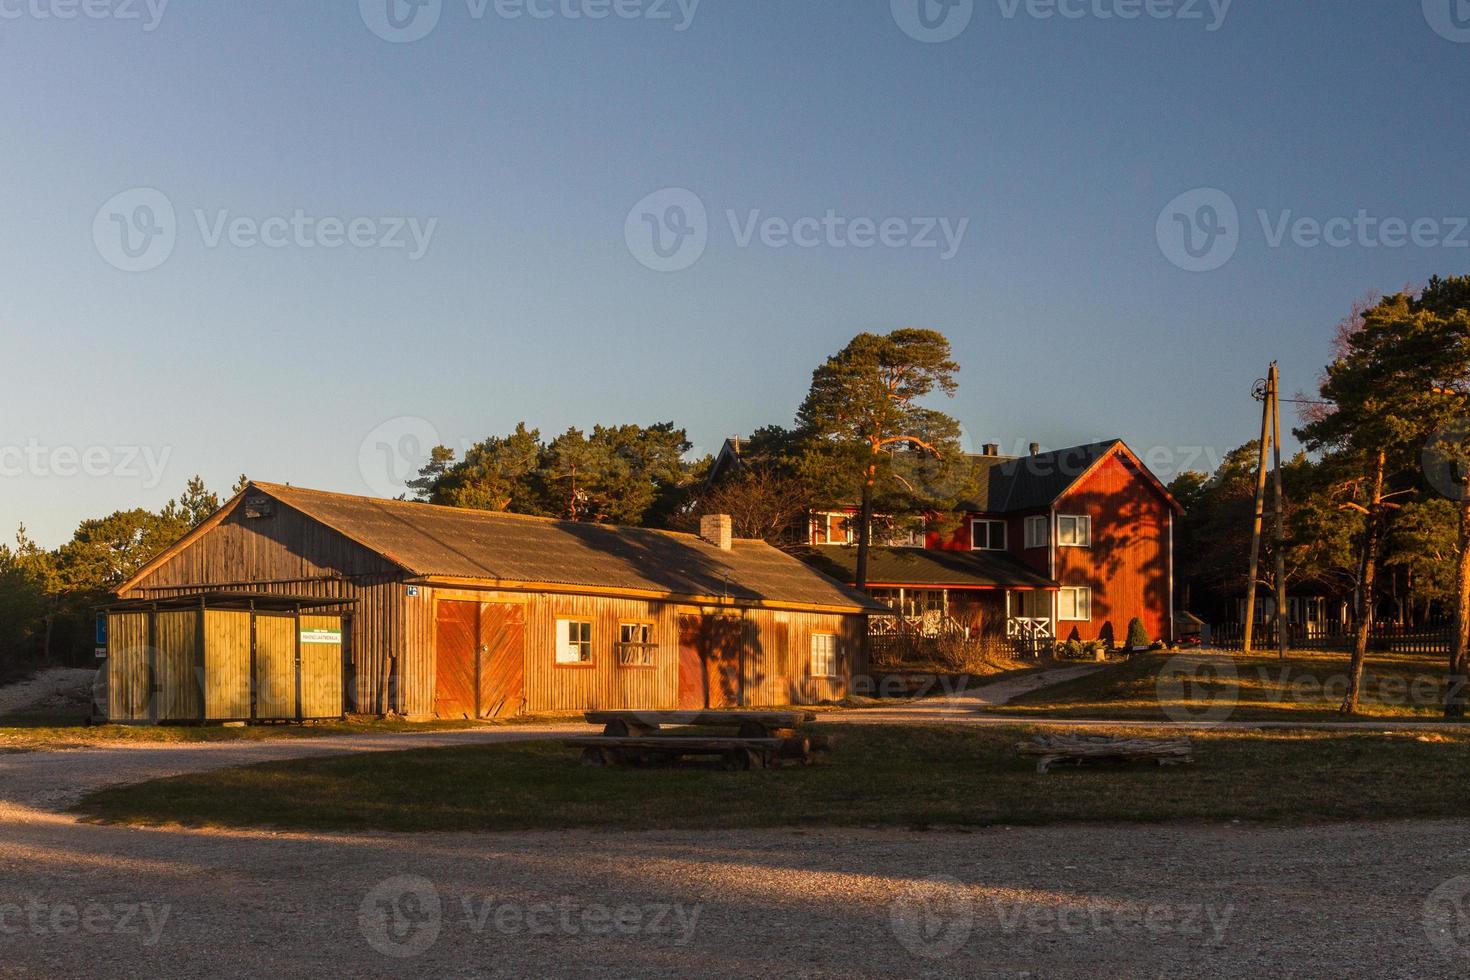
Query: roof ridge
[[481, 512]]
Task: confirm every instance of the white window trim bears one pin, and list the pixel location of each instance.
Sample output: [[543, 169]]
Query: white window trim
[[1084, 526], [1004, 534], [823, 518], [836, 660], [1044, 523], [568, 653], [1080, 591]]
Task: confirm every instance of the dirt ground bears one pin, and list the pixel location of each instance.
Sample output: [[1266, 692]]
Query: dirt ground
[[1363, 900]]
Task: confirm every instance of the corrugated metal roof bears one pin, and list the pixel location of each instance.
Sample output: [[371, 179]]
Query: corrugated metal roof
[[450, 542], [926, 567]]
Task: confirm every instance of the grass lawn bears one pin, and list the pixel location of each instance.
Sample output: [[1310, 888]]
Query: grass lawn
[[900, 776], [1307, 686], [31, 731]]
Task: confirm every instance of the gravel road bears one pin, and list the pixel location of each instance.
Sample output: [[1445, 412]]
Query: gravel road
[[48, 683], [76, 900], [1215, 901]]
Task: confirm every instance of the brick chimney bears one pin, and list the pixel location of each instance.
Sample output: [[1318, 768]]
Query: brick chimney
[[1036, 449], [717, 529], [990, 449]]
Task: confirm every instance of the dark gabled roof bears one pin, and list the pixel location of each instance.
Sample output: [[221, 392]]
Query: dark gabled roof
[[926, 567], [493, 548], [1006, 484]]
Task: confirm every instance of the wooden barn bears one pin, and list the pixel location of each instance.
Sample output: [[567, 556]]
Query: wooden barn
[[444, 612]]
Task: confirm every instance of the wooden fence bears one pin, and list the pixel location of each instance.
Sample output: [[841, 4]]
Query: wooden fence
[[1430, 640]]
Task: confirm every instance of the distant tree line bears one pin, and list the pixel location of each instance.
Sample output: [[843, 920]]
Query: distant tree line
[[49, 599]]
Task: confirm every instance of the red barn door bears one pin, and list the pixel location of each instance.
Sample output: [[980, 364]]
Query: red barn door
[[710, 656]]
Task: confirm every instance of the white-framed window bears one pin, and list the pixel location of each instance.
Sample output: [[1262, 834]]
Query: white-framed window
[[573, 641], [1074, 605], [833, 527], [636, 646], [1038, 531], [1074, 531], [988, 535], [824, 655]]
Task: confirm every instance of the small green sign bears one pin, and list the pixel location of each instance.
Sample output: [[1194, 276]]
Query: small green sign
[[325, 637]]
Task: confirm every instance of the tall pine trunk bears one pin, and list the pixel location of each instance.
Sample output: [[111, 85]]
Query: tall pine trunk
[[1455, 695], [1364, 626], [865, 528]]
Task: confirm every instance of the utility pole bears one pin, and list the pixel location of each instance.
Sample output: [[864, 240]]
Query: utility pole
[[1283, 617], [1265, 393]]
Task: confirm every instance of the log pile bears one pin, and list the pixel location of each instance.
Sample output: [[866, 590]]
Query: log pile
[[1078, 748]]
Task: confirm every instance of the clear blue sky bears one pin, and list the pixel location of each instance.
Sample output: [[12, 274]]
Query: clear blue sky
[[1061, 140]]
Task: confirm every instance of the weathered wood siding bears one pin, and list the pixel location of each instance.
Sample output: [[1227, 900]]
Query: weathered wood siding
[[226, 665], [776, 662], [178, 663], [127, 666], [392, 645], [290, 554]]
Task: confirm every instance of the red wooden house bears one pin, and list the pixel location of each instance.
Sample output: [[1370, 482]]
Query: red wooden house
[[1064, 545]]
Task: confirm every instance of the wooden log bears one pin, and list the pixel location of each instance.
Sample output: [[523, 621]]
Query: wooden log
[[1051, 749], [674, 743], [770, 719]]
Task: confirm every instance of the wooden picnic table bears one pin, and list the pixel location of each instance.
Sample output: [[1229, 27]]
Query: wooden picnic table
[[760, 738]]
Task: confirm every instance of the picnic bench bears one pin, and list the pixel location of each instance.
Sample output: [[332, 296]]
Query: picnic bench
[[741, 739], [1077, 749]]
